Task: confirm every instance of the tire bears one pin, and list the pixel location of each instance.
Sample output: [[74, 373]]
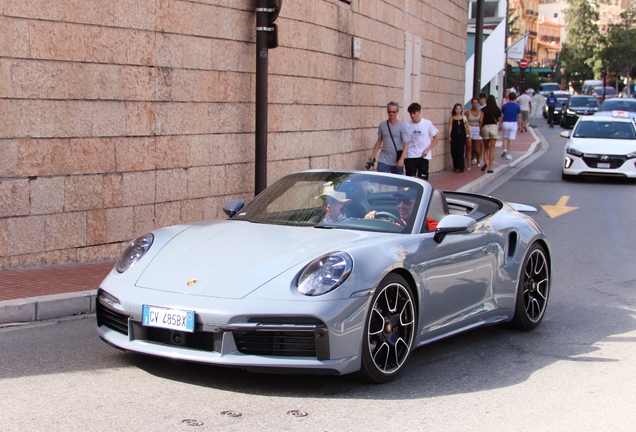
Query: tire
[[389, 330], [533, 289]]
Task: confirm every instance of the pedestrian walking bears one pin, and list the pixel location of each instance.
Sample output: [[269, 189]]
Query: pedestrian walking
[[423, 137], [489, 126], [457, 134], [473, 142], [524, 102], [392, 142], [512, 120]]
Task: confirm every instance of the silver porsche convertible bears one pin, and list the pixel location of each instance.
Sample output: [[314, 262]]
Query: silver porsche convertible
[[328, 272]]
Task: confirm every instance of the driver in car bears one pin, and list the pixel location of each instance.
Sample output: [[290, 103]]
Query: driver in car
[[405, 204]]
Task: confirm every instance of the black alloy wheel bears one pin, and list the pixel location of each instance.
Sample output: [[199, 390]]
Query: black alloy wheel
[[533, 289], [390, 330]]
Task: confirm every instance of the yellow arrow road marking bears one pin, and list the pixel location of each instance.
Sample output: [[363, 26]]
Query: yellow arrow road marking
[[559, 209]]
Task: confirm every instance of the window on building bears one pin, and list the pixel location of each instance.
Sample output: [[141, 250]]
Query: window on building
[[490, 8]]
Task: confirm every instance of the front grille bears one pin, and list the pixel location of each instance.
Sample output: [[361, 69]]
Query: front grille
[[615, 161], [112, 319], [199, 340], [288, 343]]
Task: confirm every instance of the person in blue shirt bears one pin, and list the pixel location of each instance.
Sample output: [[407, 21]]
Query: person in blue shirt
[[511, 122], [551, 102]]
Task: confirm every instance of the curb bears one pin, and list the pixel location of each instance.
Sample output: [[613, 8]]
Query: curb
[[46, 307], [476, 185]]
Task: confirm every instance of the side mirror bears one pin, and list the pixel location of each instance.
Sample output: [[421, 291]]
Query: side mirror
[[565, 134], [453, 224], [231, 208]]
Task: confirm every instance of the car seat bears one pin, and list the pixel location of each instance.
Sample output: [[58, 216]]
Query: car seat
[[437, 208]]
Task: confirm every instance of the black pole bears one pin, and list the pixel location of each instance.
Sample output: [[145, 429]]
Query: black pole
[[260, 161], [479, 36]]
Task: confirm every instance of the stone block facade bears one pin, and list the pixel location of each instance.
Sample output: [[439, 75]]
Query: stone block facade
[[121, 116]]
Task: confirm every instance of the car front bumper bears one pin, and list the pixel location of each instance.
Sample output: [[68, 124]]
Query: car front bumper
[[619, 166], [318, 337]]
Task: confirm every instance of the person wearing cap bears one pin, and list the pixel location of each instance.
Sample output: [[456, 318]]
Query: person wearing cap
[[335, 201], [405, 205]]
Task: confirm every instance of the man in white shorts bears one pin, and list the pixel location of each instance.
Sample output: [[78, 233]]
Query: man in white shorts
[[511, 121]]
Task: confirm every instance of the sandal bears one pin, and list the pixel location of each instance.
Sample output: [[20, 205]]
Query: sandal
[[484, 167], [490, 171]]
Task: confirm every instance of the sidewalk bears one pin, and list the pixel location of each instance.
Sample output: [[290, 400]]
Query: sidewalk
[[37, 294]]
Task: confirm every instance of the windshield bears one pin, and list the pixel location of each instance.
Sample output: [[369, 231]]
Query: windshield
[[584, 102], [562, 100], [550, 87], [608, 91], [348, 200], [605, 129], [619, 105]]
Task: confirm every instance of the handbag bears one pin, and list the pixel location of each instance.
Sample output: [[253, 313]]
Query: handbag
[[466, 128], [398, 152]]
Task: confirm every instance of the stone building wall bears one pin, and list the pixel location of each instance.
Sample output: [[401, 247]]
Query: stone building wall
[[121, 116]]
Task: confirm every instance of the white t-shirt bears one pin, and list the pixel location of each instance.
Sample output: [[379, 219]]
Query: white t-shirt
[[524, 102], [420, 136]]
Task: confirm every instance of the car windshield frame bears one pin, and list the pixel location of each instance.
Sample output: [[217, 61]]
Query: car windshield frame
[[631, 105], [573, 102], [302, 199], [609, 128]]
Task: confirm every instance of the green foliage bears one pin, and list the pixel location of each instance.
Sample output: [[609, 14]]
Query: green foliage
[[579, 53], [619, 52]]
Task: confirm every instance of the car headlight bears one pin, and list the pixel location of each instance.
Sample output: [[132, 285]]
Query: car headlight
[[133, 253], [570, 112], [573, 151], [631, 155], [325, 274]]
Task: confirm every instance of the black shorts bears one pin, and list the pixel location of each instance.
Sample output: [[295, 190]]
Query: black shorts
[[416, 167]]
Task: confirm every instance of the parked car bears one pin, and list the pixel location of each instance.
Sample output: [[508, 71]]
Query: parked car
[[546, 88], [578, 106], [600, 145], [602, 93], [562, 99], [281, 286], [610, 106]]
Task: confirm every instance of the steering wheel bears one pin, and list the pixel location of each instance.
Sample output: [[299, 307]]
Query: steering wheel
[[391, 218]]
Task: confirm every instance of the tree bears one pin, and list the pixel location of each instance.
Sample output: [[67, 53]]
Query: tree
[[620, 52], [579, 52]]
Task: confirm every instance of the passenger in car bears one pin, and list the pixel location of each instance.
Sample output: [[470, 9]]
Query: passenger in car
[[335, 202]]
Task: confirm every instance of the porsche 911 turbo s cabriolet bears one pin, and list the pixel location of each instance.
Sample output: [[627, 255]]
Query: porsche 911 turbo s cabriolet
[[328, 272]]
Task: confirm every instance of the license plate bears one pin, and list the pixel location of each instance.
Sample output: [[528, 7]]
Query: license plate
[[602, 165], [172, 319]]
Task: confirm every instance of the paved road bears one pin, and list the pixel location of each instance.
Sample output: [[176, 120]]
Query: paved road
[[576, 371]]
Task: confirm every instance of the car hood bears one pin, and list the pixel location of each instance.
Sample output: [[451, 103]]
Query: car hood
[[603, 146], [233, 258]]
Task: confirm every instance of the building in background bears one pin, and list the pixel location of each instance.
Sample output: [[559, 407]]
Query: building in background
[[548, 42], [118, 117]]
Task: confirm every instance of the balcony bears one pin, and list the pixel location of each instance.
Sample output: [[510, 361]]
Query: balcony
[[532, 33], [531, 12], [545, 38]]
